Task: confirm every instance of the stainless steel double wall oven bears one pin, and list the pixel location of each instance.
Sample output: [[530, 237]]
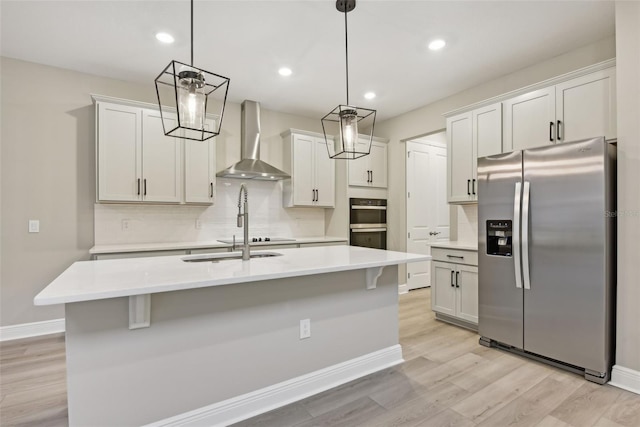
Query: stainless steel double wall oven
[[368, 223]]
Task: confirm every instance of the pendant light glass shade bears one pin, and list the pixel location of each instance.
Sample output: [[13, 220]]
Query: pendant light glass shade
[[353, 126], [188, 96]]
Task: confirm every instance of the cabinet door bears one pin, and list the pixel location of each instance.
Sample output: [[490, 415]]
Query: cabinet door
[[302, 175], [325, 175], [359, 169], [487, 130], [378, 165], [161, 160], [467, 293], [119, 153], [529, 120], [200, 166], [443, 293], [460, 157], [586, 106]]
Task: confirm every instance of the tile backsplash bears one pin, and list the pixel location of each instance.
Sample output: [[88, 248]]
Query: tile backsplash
[[468, 223], [124, 224]]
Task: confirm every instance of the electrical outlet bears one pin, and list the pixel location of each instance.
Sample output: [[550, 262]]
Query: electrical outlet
[[125, 224], [198, 224], [305, 328], [34, 226]]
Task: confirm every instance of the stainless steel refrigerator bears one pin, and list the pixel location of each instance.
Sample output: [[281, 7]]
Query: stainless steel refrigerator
[[546, 254]]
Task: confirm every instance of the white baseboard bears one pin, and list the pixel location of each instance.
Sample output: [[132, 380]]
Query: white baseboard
[[266, 399], [35, 329], [625, 378], [403, 289]]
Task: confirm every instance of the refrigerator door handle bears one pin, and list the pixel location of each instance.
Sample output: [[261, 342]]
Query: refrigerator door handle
[[516, 235], [525, 235]]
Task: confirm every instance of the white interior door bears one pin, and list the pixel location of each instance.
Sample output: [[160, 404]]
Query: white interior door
[[427, 208]]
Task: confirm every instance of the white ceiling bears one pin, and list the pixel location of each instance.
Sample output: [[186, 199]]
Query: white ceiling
[[249, 40]]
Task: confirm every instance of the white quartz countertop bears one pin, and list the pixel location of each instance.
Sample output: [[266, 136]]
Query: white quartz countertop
[[454, 244], [168, 246], [93, 280]]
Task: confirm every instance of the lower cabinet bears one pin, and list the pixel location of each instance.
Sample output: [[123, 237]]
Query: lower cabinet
[[454, 291]]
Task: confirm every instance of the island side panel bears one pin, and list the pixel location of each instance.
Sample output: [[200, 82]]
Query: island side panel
[[211, 344]]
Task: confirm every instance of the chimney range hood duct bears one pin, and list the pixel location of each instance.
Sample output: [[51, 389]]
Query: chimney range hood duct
[[250, 166]]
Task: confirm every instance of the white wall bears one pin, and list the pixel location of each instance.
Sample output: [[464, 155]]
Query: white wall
[[628, 92], [48, 173], [430, 119]]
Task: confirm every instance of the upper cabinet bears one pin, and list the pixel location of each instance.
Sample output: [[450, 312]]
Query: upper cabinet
[[575, 106], [137, 162], [578, 108], [470, 135], [306, 159], [370, 170]]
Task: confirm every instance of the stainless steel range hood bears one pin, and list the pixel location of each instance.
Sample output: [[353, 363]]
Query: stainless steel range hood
[[250, 166]]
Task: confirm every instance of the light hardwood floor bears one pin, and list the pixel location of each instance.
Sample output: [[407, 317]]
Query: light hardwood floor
[[447, 380]]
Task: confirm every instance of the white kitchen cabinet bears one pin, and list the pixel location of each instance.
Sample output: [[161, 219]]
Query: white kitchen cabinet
[[586, 107], [137, 162], [200, 170], [161, 160], [312, 181], [579, 108], [119, 147], [370, 170], [470, 135], [454, 295]]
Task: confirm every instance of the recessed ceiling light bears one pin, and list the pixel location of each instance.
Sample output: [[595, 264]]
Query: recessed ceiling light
[[165, 38], [284, 71], [437, 44], [369, 95]]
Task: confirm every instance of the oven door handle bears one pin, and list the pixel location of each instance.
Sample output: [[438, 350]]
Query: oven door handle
[[375, 208], [370, 225], [367, 230]]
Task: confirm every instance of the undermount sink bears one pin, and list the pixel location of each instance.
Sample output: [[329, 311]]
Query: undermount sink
[[227, 256]]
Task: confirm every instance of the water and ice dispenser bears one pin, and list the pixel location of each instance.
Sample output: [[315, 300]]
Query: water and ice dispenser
[[499, 237]]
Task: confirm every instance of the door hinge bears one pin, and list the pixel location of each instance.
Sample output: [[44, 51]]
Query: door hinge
[[408, 275], [408, 235], [408, 154], [408, 194]]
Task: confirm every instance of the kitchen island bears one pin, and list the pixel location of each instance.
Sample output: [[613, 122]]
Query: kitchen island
[[163, 341]]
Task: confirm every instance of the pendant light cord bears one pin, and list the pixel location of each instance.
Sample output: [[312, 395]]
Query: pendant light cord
[[346, 49], [192, 33]]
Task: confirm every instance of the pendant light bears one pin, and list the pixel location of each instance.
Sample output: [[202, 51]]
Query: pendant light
[[353, 126], [186, 95]]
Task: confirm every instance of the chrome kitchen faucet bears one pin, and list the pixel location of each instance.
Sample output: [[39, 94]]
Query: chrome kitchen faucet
[[243, 221]]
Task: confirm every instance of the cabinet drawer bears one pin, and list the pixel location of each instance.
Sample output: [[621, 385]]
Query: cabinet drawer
[[455, 255]]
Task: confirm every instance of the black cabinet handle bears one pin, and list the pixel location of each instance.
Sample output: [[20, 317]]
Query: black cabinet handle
[[551, 131], [317, 195], [473, 186], [145, 186], [452, 284], [211, 190], [313, 195], [468, 191], [138, 186], [559, 134], [457, 281]]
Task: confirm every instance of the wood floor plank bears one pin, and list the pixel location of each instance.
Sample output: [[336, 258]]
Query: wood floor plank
[[587, 404], [550, 421], [485, 402], [447, 418], [486, 372], [409, 413], [356, 413], [289, 415], [625, 411]]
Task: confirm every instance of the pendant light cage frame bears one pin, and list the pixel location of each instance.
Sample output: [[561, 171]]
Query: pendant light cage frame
[[215, 90], [332, 125], [343, 120]]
